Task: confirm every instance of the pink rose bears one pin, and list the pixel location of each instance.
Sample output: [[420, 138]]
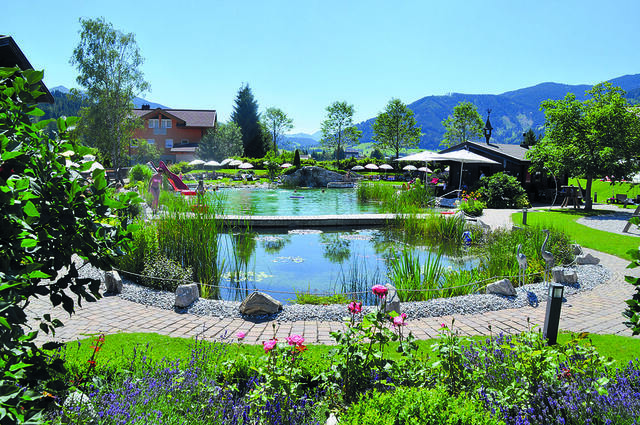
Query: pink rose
[[398, 321], [380, 290], [355, 307], [241, 335], [269, 345], [295, 339]]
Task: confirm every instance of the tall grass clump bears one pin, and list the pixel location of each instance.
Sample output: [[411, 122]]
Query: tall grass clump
[[413, 279], [394, 199], [436, 228]]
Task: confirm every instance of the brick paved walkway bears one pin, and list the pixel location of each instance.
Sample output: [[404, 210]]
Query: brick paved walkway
[[596, 311]]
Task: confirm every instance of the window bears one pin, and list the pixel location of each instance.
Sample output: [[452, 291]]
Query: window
[[166, 123], [168, 143], [153, 123], [184, 141], [151, 141]]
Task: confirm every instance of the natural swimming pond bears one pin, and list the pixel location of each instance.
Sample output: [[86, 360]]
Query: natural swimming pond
[[322, 262], [293, 202]]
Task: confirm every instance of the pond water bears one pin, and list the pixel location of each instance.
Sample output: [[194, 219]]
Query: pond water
[[293, 202], [322, 262]]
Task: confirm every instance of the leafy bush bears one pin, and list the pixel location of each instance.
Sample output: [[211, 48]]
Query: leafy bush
[[140, 173], [632, 313], [503, 191], [416, 406], [162, 273], [144, 246], [471, 205]]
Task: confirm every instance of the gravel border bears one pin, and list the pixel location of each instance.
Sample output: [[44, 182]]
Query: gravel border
[[589, 276]]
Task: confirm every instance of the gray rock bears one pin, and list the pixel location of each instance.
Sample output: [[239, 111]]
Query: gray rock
[[570, 276], [577, 249], [79, 409], [186, 295], [501, 287], [113, 282], [393, 300], [587, 259], [260, 303], [312, 177], [558, 274]]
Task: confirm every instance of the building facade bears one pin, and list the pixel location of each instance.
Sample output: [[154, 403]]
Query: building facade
[[175, 132]]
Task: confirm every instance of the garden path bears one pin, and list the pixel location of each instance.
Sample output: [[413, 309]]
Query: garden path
[[596, 311]]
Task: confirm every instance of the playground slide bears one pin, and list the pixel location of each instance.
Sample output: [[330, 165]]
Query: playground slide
[[175, 181]]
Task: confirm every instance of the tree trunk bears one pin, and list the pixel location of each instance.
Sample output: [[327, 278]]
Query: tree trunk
[[588, 202]]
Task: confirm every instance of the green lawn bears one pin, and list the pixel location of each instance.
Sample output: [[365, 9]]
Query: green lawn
[[608, 189], [565, 220]]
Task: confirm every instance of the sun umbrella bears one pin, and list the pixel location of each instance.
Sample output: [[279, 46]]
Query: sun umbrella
[[196, 162], [226, 161], [409, 168], [212, 164], [235, 163], [465, 156], [386, 167], [425, 156], [88, 158], [371, 167], [245, 166], [68, 153], [286, 165], [357, 168], [425, 170]]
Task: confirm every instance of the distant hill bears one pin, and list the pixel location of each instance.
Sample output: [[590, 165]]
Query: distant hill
[[512, 113], [137, 101]]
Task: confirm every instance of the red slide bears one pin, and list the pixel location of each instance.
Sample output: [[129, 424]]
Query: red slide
[[175, 180]]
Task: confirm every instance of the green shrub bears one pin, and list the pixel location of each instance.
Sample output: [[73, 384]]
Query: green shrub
[[162, 273], [471, 205], [503, 191], [140, 173], [144, 246], [416, 406]]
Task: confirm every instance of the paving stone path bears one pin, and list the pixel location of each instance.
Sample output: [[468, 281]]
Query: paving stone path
[[596, 311]]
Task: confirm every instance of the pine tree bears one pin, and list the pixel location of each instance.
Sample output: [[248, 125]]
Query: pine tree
[[245, 115]]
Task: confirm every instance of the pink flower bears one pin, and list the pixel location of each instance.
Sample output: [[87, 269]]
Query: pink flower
[[355, 307], [295, 339], [442, 325], [269, 345], [241, 335], [398, 321], [380, 290]]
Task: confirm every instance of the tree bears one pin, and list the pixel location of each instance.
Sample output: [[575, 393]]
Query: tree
[[296, 159], [395, 128], [109, 65], [465, 124], [146, 152], [529, 138], [277, 123], [591, 139], [338, 131], [48, 215], [223, 141], [245, 115]]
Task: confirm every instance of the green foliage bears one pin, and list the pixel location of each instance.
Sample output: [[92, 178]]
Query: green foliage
[[471, 205], [223, 141], [276, 123], [271, 164], [108, 63], [245, 115], [338, 130], [465, 124], [632, 313], [315, 299], [396, 128], [296, 159], [146, 152], [144, 247], [413, 279], [140, 173], [162, 273], [503, 191], [594, 138], [406, 406], [47, 215], [530, 138]]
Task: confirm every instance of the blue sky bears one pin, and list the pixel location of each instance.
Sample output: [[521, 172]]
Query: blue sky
[[301, 56]]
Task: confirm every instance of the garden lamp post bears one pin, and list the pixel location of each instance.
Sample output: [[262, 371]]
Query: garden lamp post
[[524, 216], [552, 317], [487, 127]]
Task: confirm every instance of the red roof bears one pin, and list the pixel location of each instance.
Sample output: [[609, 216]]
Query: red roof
[[190, 117]]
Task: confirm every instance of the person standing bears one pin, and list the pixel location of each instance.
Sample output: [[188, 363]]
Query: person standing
[[154, 187]]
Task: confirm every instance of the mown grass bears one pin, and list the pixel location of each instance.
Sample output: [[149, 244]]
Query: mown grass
[[565, 221]]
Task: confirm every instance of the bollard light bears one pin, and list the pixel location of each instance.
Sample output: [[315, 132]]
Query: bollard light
[[524, 216], [552, 317]]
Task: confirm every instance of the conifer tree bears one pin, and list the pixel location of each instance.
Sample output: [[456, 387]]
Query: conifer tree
[[245, 115]]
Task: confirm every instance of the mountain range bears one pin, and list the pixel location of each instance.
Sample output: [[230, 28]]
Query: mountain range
[[137, 101], [512, 112]]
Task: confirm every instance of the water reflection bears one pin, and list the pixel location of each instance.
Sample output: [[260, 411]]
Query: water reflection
[[336, 248]]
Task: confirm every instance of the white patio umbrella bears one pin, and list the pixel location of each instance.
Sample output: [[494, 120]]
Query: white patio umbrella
[[425, 170], [421, 156], [386, 167], [235, 163], [409, 168], [226, 161], [465, 156], [245, 166], [96, 166], [371, 167], [196, 162], [357, 168], [286, 165], [212, 164]]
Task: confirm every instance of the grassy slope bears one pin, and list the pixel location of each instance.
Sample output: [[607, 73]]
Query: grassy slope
[[608, 190], [565, 220]]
